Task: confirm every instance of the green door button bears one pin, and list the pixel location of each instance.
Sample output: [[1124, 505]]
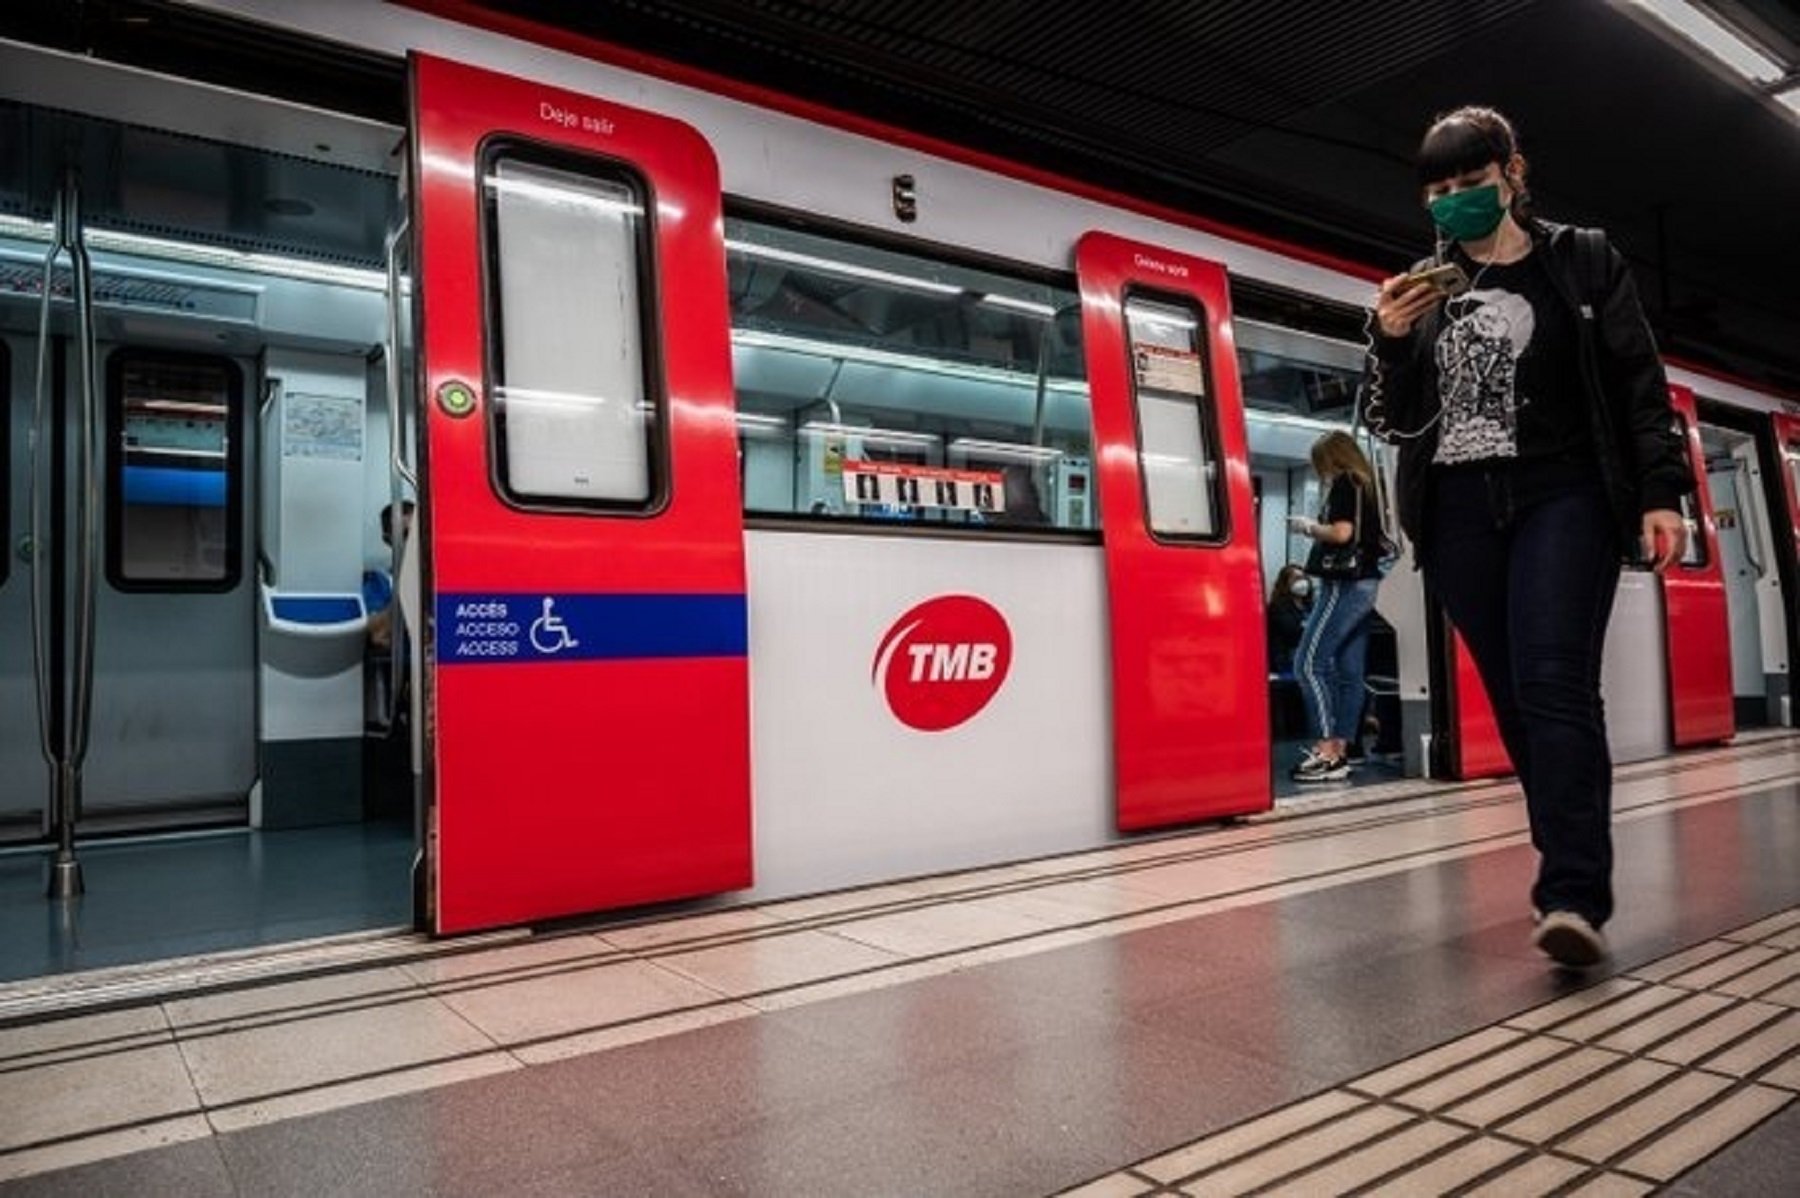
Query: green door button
[[456, 398]]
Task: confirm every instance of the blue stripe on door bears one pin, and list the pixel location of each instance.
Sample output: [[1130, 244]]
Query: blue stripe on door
[[537, 627]]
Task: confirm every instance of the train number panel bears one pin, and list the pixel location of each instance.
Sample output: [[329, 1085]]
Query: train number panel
[[1190, 668], [589, 704]]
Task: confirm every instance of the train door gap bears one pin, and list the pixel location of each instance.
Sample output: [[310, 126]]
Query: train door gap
[[1298, 387], [1751, 532], [249, 778]]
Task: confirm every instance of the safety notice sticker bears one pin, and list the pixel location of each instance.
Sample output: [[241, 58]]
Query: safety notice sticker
[[1160, 368]]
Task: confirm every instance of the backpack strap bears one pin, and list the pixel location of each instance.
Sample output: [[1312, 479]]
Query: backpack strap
[[1590, 271]]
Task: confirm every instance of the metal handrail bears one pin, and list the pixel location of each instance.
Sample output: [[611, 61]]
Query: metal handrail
[[1748, 500], [74, 711], [40, 648], [391, 369], [399, 472], [87, 481]]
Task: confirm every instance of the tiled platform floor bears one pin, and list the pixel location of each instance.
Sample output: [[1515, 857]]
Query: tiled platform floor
[[1010, 1031], [1617, 1089]]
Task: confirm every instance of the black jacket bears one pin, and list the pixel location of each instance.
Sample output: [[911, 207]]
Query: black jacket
[[1643, 459]]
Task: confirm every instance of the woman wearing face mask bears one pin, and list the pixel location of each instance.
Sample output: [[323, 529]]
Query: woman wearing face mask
[[1536, 445]]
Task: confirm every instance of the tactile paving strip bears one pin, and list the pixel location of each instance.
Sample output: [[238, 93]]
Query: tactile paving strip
[[1615, 1090]]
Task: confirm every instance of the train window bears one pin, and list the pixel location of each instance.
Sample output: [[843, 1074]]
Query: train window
[[6, 475], [884, 386], [1296, 373], [571, 370], [1176, 438], [174, 483]]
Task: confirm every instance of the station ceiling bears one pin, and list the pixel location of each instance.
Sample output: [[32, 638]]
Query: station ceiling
[[1300, 117]]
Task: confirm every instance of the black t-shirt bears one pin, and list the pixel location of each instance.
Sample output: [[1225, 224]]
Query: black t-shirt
[[1341, 504], [1509, 373]]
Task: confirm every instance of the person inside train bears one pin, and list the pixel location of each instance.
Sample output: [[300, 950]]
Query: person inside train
[[1346, 562], [1536, 444], [1289, 601], [378, 585]]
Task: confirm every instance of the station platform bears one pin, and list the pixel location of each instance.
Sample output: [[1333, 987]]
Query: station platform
[[1333, 999]]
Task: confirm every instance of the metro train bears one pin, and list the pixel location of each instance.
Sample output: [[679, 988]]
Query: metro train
[[801, 503]]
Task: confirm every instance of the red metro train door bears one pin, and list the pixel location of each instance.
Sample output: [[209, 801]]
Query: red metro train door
[[1184, 585], [1699, 625], [591, 704]]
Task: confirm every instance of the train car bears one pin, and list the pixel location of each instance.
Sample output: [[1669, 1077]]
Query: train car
[[776, 502]]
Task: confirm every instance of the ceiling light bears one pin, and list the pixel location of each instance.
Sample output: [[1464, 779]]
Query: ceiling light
[[196, 254], [870, 435], [1707, 32], [1006, 449], [1789, 99], [1029, 307]]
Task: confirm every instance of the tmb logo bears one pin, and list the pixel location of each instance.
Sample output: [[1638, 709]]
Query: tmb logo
[[943, 661]]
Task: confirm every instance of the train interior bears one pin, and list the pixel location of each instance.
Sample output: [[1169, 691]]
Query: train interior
[[1749, 559], [246, 777], [1297, 387]]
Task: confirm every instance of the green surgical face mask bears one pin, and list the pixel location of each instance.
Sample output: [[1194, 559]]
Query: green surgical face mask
[[1468, 215]]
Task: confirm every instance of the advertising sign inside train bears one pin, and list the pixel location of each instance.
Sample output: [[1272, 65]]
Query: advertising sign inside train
[[923, 486]]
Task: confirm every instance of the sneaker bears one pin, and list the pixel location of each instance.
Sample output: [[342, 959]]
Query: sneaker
[[1569, 940], [1315, 768]]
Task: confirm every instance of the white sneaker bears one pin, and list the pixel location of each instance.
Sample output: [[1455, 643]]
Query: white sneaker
[[1569, 940], [1314, 768]]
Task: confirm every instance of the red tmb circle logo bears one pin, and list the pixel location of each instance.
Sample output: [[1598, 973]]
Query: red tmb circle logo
[[943, 661]]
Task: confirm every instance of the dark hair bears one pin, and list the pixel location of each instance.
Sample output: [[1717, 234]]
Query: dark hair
[[1467, 139], [407, 507], [1284, 584]]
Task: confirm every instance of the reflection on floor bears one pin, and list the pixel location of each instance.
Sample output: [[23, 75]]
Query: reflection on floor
[[1374, 770], [155, 898]]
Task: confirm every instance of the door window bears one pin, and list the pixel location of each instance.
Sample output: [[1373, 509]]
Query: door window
[[1177, 440], [574, 415], [174, 518]]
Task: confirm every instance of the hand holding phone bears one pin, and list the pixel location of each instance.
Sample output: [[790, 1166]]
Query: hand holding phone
[[1404, 298], [1446, 279]]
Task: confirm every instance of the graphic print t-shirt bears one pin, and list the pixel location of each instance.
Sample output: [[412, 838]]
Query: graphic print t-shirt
[[1508, 372]]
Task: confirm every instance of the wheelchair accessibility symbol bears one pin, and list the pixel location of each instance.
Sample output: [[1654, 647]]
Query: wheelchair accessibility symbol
[[548, 632]]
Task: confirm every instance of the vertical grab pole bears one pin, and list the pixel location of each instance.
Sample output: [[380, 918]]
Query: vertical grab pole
[[65, 871], [63, 732], [398, 470], [43, 561]]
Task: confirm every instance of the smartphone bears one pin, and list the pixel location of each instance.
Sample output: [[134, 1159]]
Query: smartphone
[[1448, 279]]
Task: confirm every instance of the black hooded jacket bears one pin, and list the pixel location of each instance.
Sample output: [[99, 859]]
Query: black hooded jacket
[[1643, 460]]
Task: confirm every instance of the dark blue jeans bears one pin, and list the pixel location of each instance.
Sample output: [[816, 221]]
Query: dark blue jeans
[[1525, 557], [1328, 663]]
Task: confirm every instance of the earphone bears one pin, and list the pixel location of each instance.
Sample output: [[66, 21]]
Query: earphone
[[1372, 410]]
